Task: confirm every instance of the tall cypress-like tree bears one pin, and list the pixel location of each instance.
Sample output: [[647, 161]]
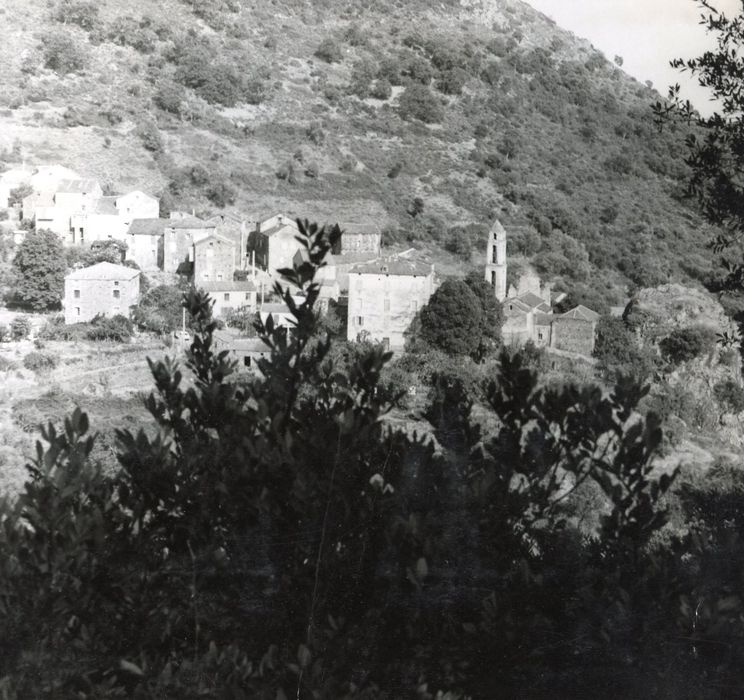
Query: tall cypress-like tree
[[40, 264]]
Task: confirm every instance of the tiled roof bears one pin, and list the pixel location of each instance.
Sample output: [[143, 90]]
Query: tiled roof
[[78, 186], [544, 319], [228, 286], [104, 271], [354, 258], [188, 222], [106, 205], [278, 308], [236, 342], [581, 313], [148, 227], [215, 237], [287, 223], [534, 301], [520, 305], [393, 266]]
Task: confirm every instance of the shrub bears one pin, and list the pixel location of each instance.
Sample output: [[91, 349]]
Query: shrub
[[381, 89], [83, 13], [418, 102], [63, 53], [729, 395], [458, 243], [116, 328], [221, 194], [40, 362], [684, 344], [315, 134], [20, 327], [151, 139], [451, 82], [287, 172], [128, 31], [169, 96], [329, 51]]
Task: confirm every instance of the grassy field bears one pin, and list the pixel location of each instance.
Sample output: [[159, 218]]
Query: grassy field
[[106, 381]]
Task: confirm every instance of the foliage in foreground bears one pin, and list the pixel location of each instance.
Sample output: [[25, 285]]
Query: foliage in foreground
[[271, 538]]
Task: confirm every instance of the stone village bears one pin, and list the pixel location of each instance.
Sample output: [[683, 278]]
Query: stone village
[[235, 261]]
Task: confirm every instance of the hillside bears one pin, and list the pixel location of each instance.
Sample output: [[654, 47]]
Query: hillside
[[429, 121]]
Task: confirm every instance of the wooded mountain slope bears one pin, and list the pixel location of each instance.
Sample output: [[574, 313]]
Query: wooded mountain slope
[[424, 119]]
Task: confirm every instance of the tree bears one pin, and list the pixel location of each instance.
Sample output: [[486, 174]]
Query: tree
[[329, 51], [264, 535], [159, 309], [20, 327], [62, 52], [730, 396], [418, 102], [715, 143], [618, 351], [17, 194], [40, 264], [685, 344], [492, 316], [452, 320]]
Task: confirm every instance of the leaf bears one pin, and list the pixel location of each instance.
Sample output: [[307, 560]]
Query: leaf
[[304, 656], [422, 570], [129, 667]]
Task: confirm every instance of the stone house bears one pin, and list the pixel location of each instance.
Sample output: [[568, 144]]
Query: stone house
[[279, 313], [385, 295], [230, 295], [136, 205], [71, 203], [358, 238], [247, 352], [274, 243], [524, 317], [103, 288], [179, 236], [574, 331], [144, 241], [495, 272], [215, 259]]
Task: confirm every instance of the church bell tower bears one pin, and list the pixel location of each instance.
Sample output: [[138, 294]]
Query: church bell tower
[[496, 260]]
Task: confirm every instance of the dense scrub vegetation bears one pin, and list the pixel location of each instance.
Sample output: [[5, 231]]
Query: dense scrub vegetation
[[504, 115], [272, 538]]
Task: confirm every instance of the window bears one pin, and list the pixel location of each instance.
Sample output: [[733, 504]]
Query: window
[[359, 320], [386, 343], [246, 361], [248, 296], [219, 276], [227, 296], [76, 294], [116, 284], [539, 335], [493, 278], [77, 311], [117, 293]]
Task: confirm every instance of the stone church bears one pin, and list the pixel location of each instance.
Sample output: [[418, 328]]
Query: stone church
[[528, 308]]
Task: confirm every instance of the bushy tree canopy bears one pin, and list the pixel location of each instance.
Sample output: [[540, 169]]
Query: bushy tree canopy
[[40, 264], [452, 320]]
